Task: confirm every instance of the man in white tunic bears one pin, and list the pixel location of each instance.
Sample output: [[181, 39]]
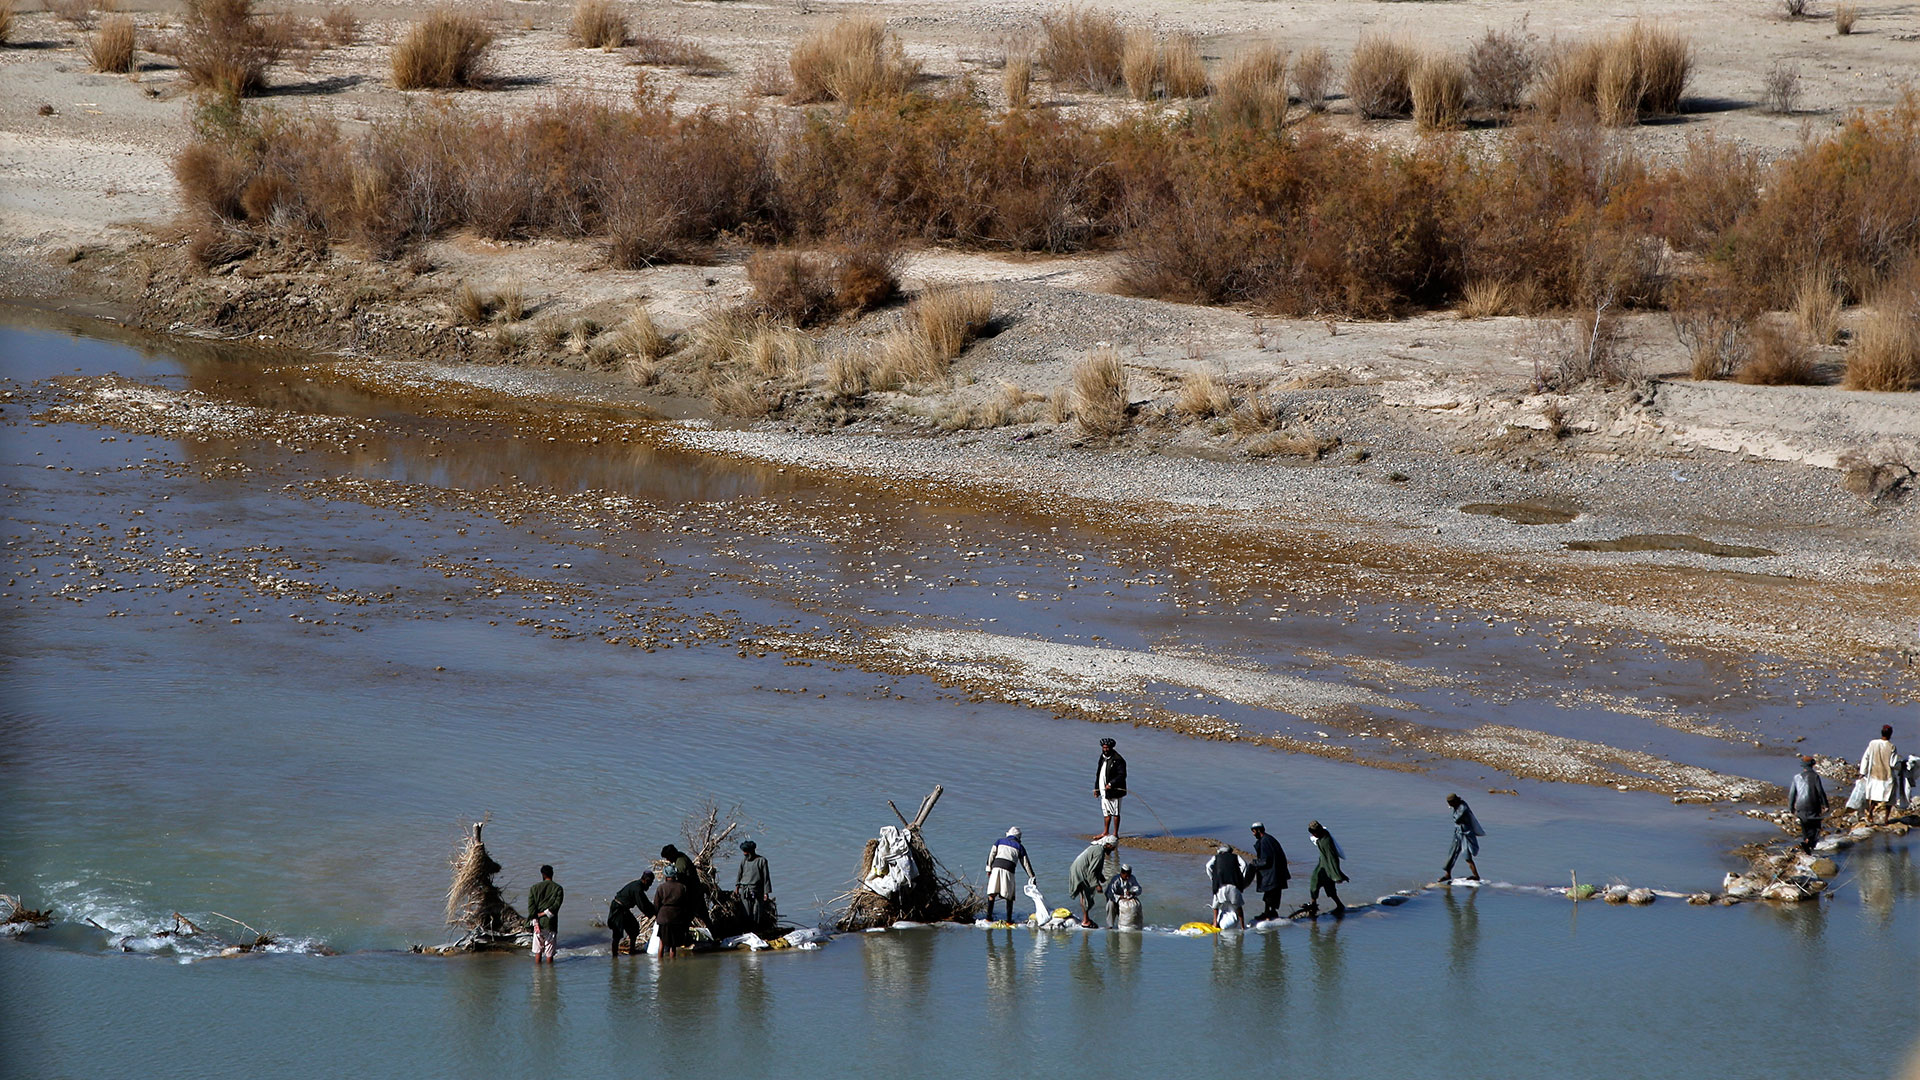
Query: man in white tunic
[[1005, 856], [1876, 774]]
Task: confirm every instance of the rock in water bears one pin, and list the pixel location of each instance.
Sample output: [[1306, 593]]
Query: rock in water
[[1700, 898], [1825, 868], [1640, 896], [1617, 894], [1786, 892]]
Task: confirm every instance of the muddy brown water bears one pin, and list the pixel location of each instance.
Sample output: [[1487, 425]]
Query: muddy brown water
[[1671, 542], [1523, 513]]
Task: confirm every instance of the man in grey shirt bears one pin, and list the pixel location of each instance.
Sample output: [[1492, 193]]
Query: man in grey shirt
[[753, 885]]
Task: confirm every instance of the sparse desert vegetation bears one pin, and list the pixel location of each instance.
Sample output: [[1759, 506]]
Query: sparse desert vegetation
[[110, 48], [598, 24], [445, 50]]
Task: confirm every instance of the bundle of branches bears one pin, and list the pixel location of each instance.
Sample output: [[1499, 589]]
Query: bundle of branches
[[934, 894], [20, 915], [474, 902]]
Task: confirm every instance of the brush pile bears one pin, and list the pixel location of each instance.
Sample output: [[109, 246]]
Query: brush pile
[[474, 903], [21, 918], [924, 891]]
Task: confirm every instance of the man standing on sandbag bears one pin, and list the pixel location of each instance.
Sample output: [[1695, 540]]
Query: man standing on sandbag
[[1876, 775], [543, 910], [1110, 786], [1086, 876], [1003, 858], [1807, 799], [753, 885], [1124, 888], [1270, 873], [620, 920], [1466, 838]]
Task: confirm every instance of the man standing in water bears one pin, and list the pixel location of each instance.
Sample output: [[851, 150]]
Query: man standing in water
[[1124, 888], [1225, 878], [1086, 876], [1110, 786], [620, 920], [1003, 858], [1807, 798], [1270, 874], [543, 910], [1466, 838], [1326, 872], [1876, 775], [753, 885]]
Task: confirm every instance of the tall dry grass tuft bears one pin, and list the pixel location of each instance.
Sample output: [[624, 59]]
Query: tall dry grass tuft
[[224, 47], [1202, 396], [1665, 63], [1099, 394], [444, 50], [640, 336], [8, 9], [809, 288], [952, 317], [1641, 71], [1378, 76], [1774, 359], [1313, 78], [1184, 70], [1885, 354], [598, 24], [1486, 298], [1140, 63], [1500, 70], [340, 25], [110, 49], [1845, 14], [1083, 49], [1252, 91], [1567, 79], [1439, 87], [1016, 80], [853, 61], [1817, 303]]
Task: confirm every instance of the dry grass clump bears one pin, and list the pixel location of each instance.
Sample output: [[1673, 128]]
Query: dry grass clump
[[1140, 63], [474, 902], [110, 49], [1641, 71], [660, 51], [1500, 70], [810, 288], [1202, 396], [1302, 443], [1378, 76], [1589, 348], [1817, 303], [1083, 49], [598, 24], [1256, 413], [1313, 78], [854, 60], [1016, 80], [340, 25], [1885, 354], [1439, 88], [75, 13], [444, 50], [1099, 394], [1794, 9], [1486, 298], [224, 47], [1712, 319], [1183, 69], [641, 338], [1252, 91], [769, 77], [1774, 359], [1780, 91], [1845, 14], [950, 318], [7, 15]]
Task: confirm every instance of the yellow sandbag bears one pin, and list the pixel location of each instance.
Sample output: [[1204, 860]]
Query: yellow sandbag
[[1198, 928], [1062, 913]]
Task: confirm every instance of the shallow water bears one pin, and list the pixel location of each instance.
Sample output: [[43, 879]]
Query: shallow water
[[343, 686]]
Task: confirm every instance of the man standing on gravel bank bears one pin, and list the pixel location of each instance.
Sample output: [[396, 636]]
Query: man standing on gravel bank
[[1876, 774], [1110, 786], [1807, 798]]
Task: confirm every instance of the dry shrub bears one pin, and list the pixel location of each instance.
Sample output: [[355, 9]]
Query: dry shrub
[[1202, 396], [1567, 79], [1794, 9], [444, 50], [1641, 71], [1016, 80], [1378, 76], [1252, 91], [471, 305], [649, 48], [1845, 14], [719, 339], [222, 46], [952, 317], [1303, 443], [1588, 348], [8, 8], [598, 24], [1711, 318], [1312, 78], [769, 77], [854, 60], [110, 49], [641, 338], [1500, 70], [1083, 49], [905, 357], [1257, 413], [1780, 91], [1774, 359], [1099, 396], [1485, 298], [75, 13], [850, 373], [1817, 302], [340, 25], [1439, 86], [806, 289], [1885, 354], [1140, 63], [743, 396], [1183, 70]]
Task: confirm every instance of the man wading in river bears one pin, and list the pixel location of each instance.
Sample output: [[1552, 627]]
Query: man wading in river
[[1085, 877], [1326, 872], [543, 910], [1003, 858], [1466, 838], [1110, 786], [1876, 775], [1807, 798], [753, 885], [1270, 874], [620, 920]]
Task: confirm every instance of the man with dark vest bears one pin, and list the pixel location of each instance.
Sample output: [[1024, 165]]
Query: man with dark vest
[[1110, 786]]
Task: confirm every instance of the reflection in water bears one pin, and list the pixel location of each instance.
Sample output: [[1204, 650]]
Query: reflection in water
[[1329, 975], [896, 967], [475, 986], [547, 1035], [1003, 974], [1464, 920], [689, 991], [1883, 877], [630, 1004], [754, 1005]]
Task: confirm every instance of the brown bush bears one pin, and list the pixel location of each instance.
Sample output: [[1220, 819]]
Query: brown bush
[[1500, 70], [866, 276], [1313, 78], [7, 15], [1780, 90], [1140, 63], [1252, 91], [1083, 49], [222, 46], [1845, 14], [1774, 359], [110, 49], [1641, 71], [1099, 394], [806, 289], [1485, 298], [598, 24], [1202, 396], [1184, 70], [1439, 88], [443, 51], [1817, 303], [1378, 74], [340, 25], [1885, 354], [854, 60], [649, 48], [1016, 80]]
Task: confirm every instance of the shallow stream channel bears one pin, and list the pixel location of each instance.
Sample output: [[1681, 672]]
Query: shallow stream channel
[[276, 627]]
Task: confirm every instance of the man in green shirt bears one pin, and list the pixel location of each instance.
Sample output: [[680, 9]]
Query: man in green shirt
[[543, 910], [1086, 876], [753, 885], [620, 918]]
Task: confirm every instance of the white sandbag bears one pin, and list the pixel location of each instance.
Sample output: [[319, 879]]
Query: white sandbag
[[1130, 917], [1640, 896], [1858, 799], [892, 866], [1229, 920], [1040, 913], [750, 940], [654, 947]]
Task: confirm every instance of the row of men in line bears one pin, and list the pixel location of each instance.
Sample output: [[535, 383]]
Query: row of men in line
[[677, 901]]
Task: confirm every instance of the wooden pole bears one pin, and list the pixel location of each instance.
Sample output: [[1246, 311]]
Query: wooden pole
[[926, 806]]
